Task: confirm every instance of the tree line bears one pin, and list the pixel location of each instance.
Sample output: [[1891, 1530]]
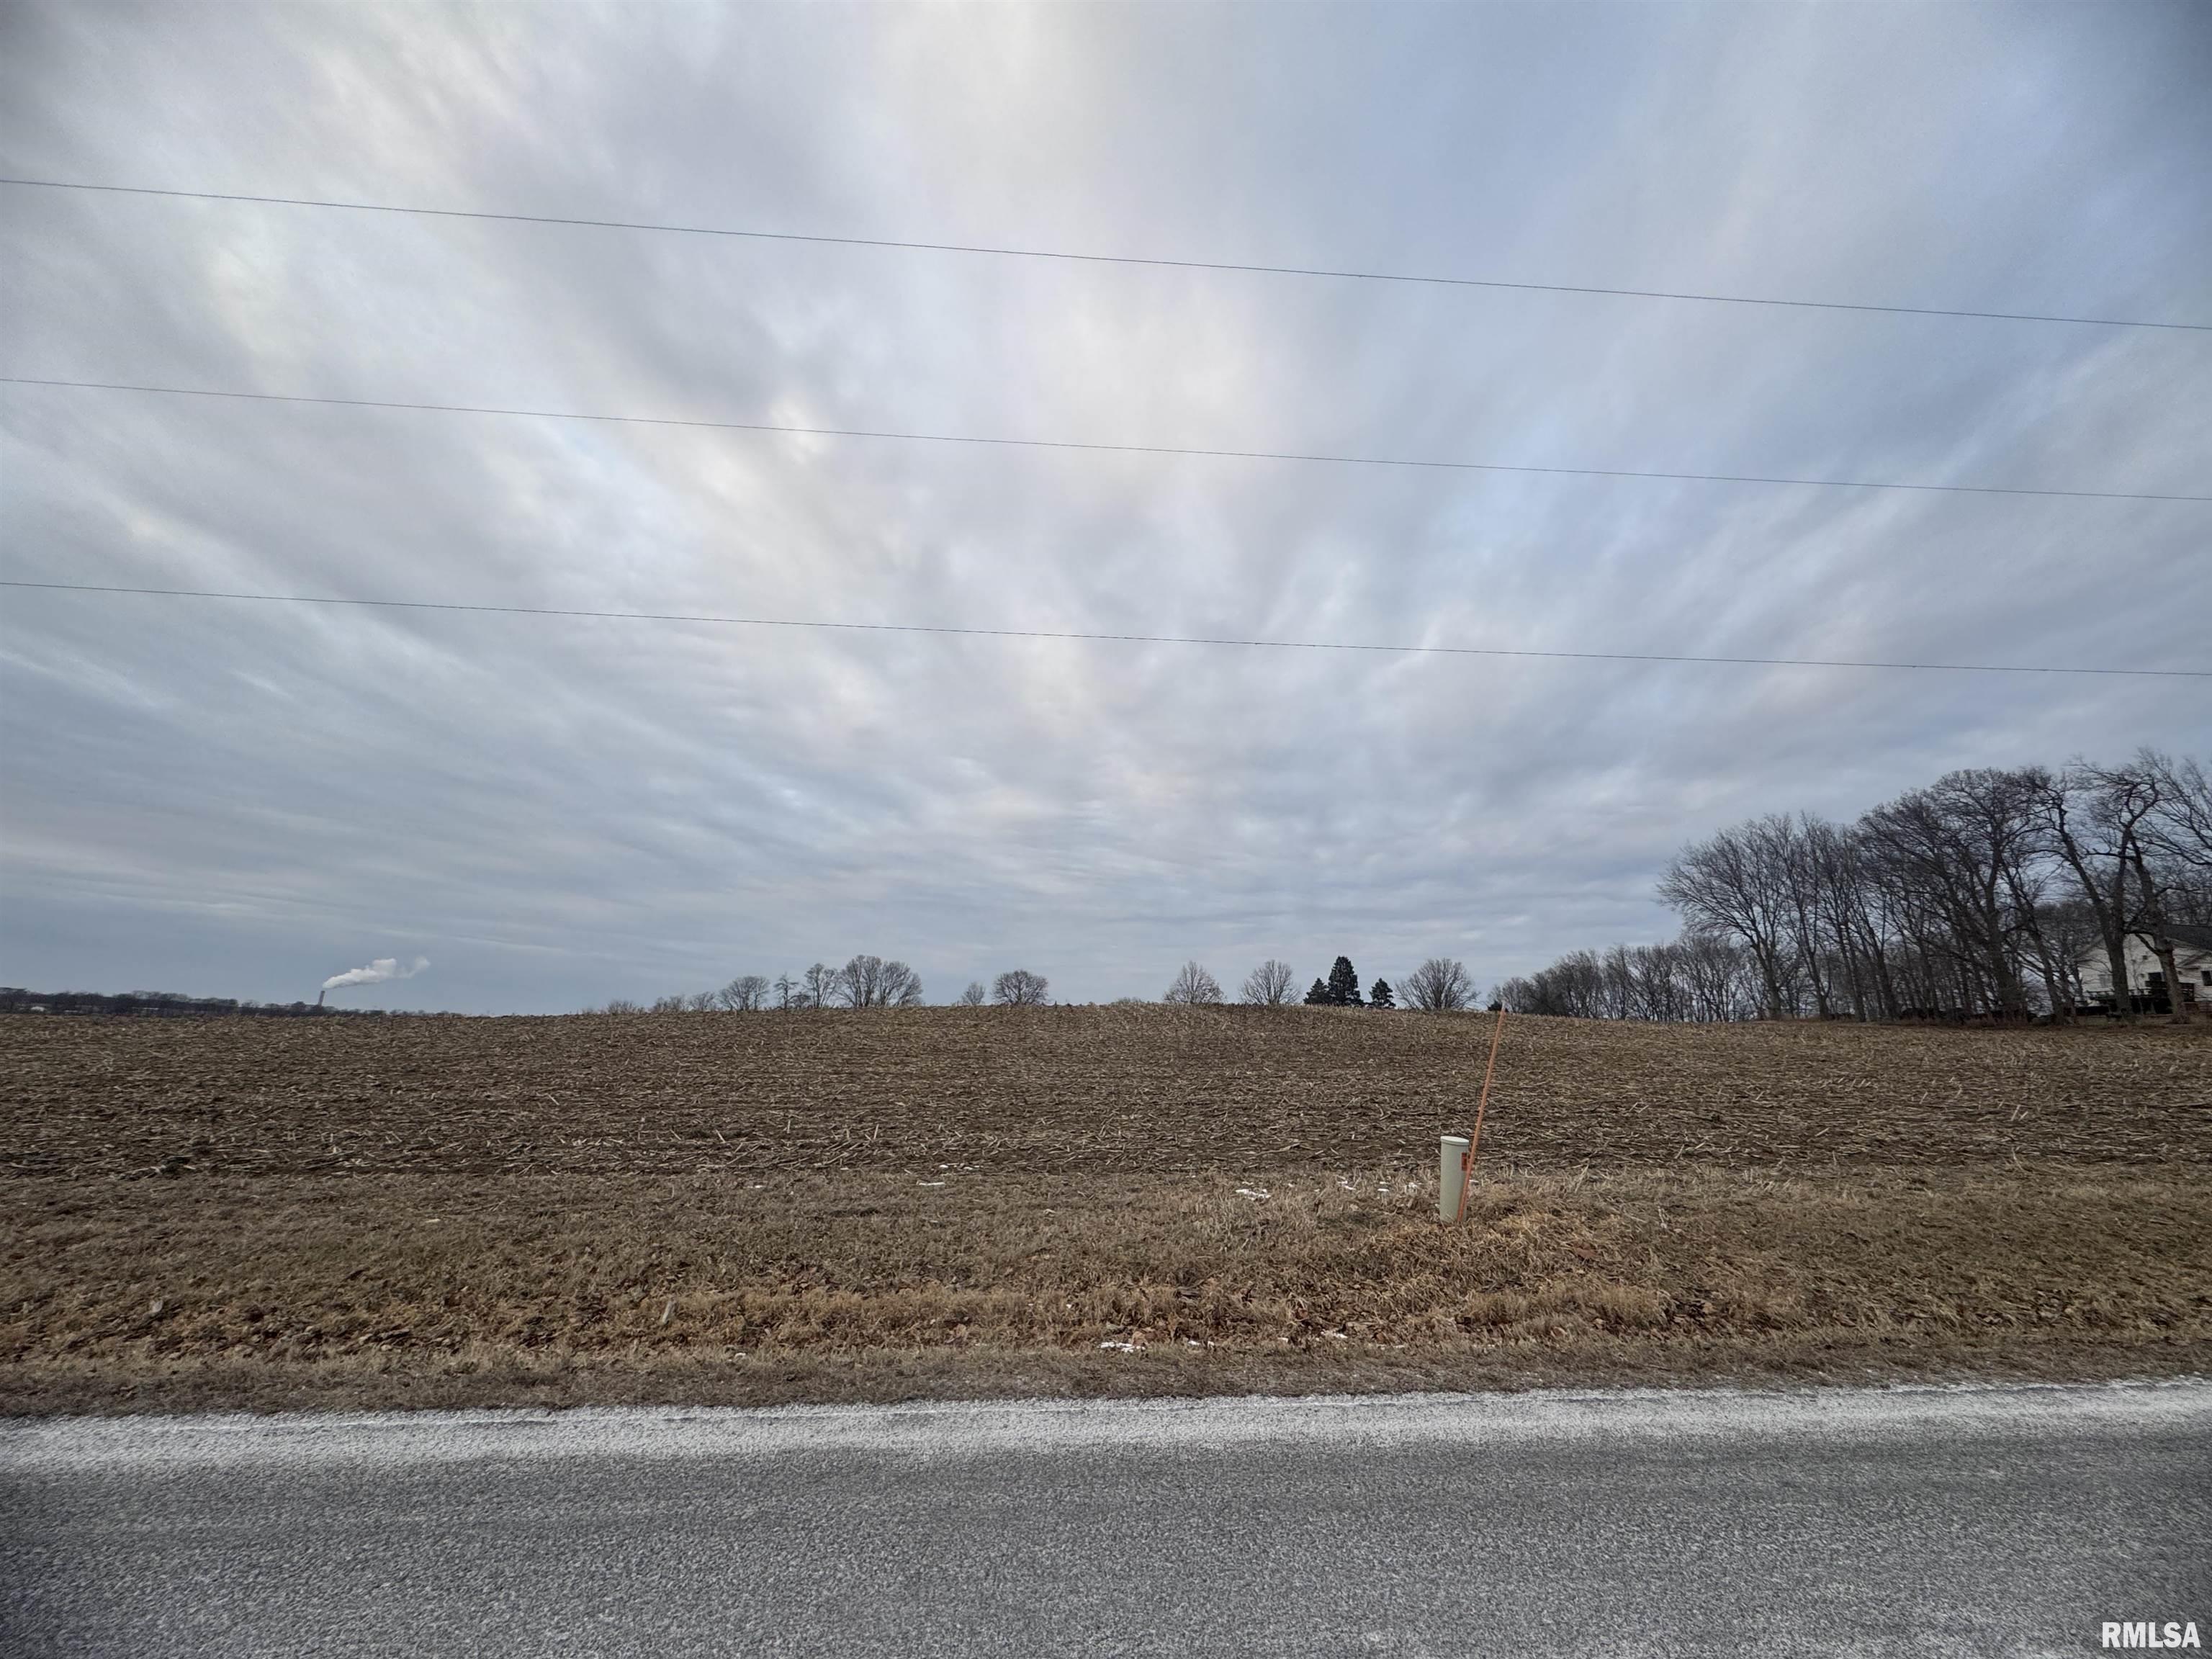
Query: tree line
[[165, 1004], [865, 982], [1440, 985], [1979, 896]]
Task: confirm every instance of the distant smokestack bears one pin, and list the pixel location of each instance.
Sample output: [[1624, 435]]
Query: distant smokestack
[[320, 994]]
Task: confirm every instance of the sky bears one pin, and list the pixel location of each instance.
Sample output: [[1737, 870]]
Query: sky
[[234, 798]]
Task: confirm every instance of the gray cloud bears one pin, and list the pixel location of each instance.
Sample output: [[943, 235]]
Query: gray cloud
[[244, 799]]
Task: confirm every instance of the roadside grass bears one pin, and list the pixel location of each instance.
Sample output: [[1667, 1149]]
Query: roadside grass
[[426, 1288]]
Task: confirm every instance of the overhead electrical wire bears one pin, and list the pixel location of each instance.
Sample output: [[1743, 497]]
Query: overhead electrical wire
[[775, 427], [1069, 256], [1074, 445], [1103, 637]]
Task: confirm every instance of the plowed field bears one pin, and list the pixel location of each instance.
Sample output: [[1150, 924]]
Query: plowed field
[[1107, 1090]]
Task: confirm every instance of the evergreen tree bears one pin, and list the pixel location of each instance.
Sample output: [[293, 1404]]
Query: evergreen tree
[[1318, 997], [1380, 997], [1343, 985]]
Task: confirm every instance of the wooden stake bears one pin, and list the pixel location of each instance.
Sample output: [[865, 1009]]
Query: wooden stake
[[1474, 1141]]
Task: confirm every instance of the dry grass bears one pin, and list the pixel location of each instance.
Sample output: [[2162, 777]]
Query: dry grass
[[440, 1289], [1797, 1201]]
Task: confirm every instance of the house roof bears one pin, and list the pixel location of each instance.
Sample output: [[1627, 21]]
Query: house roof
[[2201, 937]]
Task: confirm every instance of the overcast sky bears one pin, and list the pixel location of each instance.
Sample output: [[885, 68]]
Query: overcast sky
[[235, 798]]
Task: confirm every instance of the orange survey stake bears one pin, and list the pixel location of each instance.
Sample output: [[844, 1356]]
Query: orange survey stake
[[1474, 1142]]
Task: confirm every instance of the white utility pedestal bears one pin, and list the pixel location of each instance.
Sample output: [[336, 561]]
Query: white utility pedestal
[[1451, 1176]]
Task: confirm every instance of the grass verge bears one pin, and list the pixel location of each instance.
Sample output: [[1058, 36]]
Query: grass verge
[[214, 1291]]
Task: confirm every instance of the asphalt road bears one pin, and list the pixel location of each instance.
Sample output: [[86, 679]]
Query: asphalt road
[[2002, 1521]]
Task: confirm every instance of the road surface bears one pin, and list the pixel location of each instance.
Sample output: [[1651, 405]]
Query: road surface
[[1969, 1521]]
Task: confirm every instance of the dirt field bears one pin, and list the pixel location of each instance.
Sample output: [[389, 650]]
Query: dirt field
[[1098, 1091], [1118, 1199]]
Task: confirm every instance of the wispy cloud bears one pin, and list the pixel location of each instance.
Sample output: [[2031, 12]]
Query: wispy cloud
[[221, 799]]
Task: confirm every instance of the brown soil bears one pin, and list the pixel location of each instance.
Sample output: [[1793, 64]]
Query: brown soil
[[1120, 1089], [747, 1209]]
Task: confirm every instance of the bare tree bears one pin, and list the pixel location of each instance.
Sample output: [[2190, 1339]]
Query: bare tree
[[2154, 926], [1017, 987], [974, 996], [2027, 877], [1836, 950], [746, 995], [1847, 933], [1572, 986], [1959, 847], [2182, 826], [1438, 986], [1655, 989], [868, 982], [2178, 837], [860, 982], [700, 1002], [1699, 976], [1193, 984], [1736, 883], [1717, 977], [820, 986], [2071, 930], [2137, 840], [1615, 989], [1268, 985], [667, 1005]]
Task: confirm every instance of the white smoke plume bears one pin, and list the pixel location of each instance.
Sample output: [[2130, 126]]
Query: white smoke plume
[[376, 973]]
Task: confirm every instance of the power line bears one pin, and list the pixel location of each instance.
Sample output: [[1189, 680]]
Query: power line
[[1095, 258], [1128, 638], [1097, 449]]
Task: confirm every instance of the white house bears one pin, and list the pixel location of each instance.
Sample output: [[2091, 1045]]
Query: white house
[[2192, 960]]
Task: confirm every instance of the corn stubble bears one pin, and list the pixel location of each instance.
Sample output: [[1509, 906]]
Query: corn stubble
[[757, 1208]]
